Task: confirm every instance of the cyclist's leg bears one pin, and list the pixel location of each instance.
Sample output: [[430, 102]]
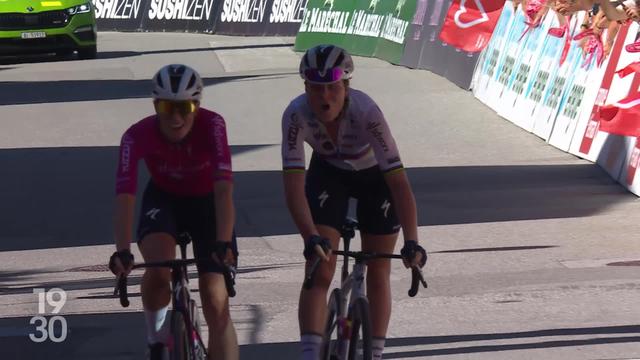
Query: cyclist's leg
[[328, 201], [198, 218], [156, 240], [379, 231]]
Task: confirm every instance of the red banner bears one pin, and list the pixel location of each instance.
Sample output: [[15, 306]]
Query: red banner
[[621, 118], [469, 23]]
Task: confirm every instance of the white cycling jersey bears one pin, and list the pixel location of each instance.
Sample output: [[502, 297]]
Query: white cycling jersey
[[364, 138]]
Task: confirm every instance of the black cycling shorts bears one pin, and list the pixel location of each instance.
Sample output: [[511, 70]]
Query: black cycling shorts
[[163, 212], [329, 188]]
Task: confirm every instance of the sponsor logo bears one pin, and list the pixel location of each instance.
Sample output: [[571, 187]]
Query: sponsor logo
[[362, 23], [377, 134], [366, 24], [117, 9], [180, 9], [399, 7], [394, 29], [30, 9], [323, 197], [318, 20], [218, 136], [385, 207], [125, 160], [463, 10], [236, 11], [152, 213], [292, 137], [283, 11]]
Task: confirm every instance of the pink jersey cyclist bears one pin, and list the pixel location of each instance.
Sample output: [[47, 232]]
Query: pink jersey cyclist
[[187, 168]]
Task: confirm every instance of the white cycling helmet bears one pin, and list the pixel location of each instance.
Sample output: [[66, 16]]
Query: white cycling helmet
[[177, 82], [325, 64]]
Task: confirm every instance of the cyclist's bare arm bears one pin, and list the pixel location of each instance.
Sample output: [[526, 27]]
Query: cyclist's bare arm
[[297, 203], [404, 202], [125, 207], [225, 211]]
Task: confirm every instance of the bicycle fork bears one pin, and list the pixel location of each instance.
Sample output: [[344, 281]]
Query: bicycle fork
[[355, 283]]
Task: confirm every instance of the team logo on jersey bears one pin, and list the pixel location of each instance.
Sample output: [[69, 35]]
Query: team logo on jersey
[[323, 197], [152, 213], [373, 127], [385, 207]]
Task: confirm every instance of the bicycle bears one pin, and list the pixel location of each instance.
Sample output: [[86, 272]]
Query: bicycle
[[342, 339], [185, 342]]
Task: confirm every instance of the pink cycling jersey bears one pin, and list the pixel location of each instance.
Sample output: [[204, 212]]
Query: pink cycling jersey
[[187, 168]]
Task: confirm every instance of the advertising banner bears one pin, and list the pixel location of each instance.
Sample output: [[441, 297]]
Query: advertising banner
[[455, 65], [260, 17], [363, 27], [531, 45], [493, 55], [469, 23], [559, 87], [415, 34], [122, 15], [588, 141], [181, 15]]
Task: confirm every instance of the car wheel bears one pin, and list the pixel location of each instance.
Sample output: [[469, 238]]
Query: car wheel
[[88, 52]]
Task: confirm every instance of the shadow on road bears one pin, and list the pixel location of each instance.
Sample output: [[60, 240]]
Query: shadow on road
[[41, 58], [58, 197], [41, 92], [122, 336]]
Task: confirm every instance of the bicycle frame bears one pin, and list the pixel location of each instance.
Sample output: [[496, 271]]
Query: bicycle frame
[[352, 284], [181, 302]]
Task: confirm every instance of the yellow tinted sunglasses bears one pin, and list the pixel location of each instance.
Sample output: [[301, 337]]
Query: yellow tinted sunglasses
[[171, 106]]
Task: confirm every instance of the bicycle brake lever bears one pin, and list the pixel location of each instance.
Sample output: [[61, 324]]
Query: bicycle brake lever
[[416, 280], [121, 289], [308, 281]]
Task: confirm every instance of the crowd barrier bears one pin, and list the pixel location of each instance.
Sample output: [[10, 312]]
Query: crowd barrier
[[403, 32], [548, 86], [233, 17]]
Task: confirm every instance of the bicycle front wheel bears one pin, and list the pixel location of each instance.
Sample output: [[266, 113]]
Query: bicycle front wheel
[[360, 344], [330, 340], [180, 348]]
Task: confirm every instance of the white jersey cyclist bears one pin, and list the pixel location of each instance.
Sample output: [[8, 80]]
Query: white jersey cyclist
[[364, 139]]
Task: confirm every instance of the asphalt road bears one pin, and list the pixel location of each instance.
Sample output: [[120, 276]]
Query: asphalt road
[[534, 253]]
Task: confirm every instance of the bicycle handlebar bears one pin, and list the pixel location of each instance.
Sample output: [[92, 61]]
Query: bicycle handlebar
[[417, 278], [120, 289]]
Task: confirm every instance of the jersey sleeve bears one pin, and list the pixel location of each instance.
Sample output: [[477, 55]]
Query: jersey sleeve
[[292, 141], [127, 173], [221, 152], [383, 144]]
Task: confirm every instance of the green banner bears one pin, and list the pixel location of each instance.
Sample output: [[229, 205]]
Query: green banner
[[363, 27]]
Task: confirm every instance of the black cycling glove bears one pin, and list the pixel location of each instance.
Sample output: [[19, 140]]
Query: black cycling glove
[[310, 246], [409, 251], [126, 259]]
